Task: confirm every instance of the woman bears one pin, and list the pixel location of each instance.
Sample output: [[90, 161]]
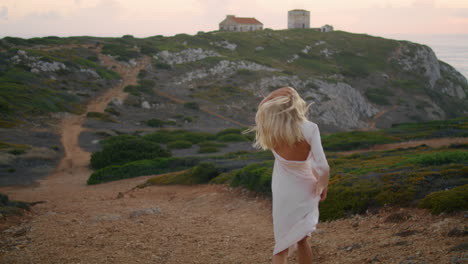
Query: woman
[[300, 173]]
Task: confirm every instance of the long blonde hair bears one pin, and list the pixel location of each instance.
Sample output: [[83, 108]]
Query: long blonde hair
[[279, 120]]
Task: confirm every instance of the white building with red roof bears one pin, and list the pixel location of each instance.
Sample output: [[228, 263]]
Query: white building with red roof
[[240, 24]]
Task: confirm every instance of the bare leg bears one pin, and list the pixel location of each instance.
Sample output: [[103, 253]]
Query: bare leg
[[304, 252], [281, 258]]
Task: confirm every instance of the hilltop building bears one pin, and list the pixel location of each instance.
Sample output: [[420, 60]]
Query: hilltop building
[[326, 28], [298, 18], [240, 24]]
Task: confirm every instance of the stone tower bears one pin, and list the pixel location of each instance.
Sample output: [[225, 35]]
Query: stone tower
[[298, 18]]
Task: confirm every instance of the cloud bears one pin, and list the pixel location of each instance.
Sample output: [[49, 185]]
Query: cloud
[[4, 13]]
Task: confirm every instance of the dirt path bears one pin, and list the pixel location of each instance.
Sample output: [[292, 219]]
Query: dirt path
[[111, 223]]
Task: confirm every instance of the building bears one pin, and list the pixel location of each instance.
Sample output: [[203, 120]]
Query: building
[[298, 18], [240, 24], [326, 28]]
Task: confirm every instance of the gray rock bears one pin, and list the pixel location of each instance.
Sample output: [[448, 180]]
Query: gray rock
[[148, 211], [184, 56], [223, 69], [106, 218], [225, 44], [145, 105], [259, 48]]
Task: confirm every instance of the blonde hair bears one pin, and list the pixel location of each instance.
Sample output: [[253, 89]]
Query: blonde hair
[[279, 120]]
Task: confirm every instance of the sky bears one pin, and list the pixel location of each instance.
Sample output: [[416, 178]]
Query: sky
[[142, 18]]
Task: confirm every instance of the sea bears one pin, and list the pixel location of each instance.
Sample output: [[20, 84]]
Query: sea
[[452, 49]]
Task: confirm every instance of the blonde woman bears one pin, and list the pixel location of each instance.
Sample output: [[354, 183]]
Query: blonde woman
[[300, 172]]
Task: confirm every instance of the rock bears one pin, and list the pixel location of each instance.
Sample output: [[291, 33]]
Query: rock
[[321, 42], [223, 69], [326, 52], [132, 62], [350, 247], [106, 218], [294, 57], [306, 49], [225, 44], [259, 48], [145, 105], [184, 56], [96, 141], [116, 101], [420, 59], [90, 72], [148, 211]]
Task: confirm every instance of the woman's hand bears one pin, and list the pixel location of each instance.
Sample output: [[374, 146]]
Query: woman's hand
[[323, 195]]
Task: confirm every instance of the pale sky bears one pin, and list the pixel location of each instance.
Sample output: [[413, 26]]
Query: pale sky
[[142, 18]]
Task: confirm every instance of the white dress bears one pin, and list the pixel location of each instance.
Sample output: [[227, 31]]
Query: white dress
[[296, 188]]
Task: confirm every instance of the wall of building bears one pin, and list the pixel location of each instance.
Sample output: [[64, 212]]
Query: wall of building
[[298, 19]]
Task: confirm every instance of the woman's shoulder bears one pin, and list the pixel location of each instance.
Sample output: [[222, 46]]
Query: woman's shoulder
[[309, 125]]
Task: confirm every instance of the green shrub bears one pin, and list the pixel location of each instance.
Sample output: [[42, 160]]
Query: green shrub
[[162, 65], [208, 149], [355, 140], [255, 177], [140, 168], [439, 158], [112, 110], [229, 131], [101, 116], [159, 123], [203, 173], [179, 144], [123, 151], [17, 151], [232, 138], [446, 201], [191, 105]]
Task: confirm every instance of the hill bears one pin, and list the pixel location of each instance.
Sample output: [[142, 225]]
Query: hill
[[209, 82]]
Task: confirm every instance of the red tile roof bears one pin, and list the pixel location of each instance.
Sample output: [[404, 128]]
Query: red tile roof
[[246, 20]]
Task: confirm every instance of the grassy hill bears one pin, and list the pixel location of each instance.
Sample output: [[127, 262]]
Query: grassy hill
[[230, 70]]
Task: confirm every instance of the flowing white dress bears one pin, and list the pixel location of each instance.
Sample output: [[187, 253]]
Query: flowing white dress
[[296, 188]]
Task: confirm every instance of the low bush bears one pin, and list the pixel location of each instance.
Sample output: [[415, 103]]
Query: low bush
[[179, 144], [232, 138], [159, 123], [101, 116], [439, 158], [208, 149], [119, 152], [446, 201], [255, 177], [141, 168], [191, 105]]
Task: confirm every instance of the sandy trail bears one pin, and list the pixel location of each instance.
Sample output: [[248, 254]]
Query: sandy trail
[[111, 223]]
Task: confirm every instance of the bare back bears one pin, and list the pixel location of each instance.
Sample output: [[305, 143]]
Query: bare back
[[298, 152]]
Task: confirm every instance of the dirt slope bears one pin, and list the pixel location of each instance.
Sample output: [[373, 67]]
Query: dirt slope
[[111, 223]]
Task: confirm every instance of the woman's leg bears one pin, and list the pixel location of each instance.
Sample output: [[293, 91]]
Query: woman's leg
[[304, 252], [281, 258]]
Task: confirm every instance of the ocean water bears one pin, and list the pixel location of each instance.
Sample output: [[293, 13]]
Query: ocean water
[[452, 49]]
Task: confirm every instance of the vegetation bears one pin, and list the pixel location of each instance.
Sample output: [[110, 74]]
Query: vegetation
[[118, 152], [447, 201]]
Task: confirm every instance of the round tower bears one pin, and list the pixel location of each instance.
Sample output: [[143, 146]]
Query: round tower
[[298, 18]]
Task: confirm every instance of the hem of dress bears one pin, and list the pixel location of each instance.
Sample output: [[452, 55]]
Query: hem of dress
[[293, 245]]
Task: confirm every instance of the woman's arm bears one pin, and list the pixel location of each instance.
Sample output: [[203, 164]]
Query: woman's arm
[[320, 166]]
